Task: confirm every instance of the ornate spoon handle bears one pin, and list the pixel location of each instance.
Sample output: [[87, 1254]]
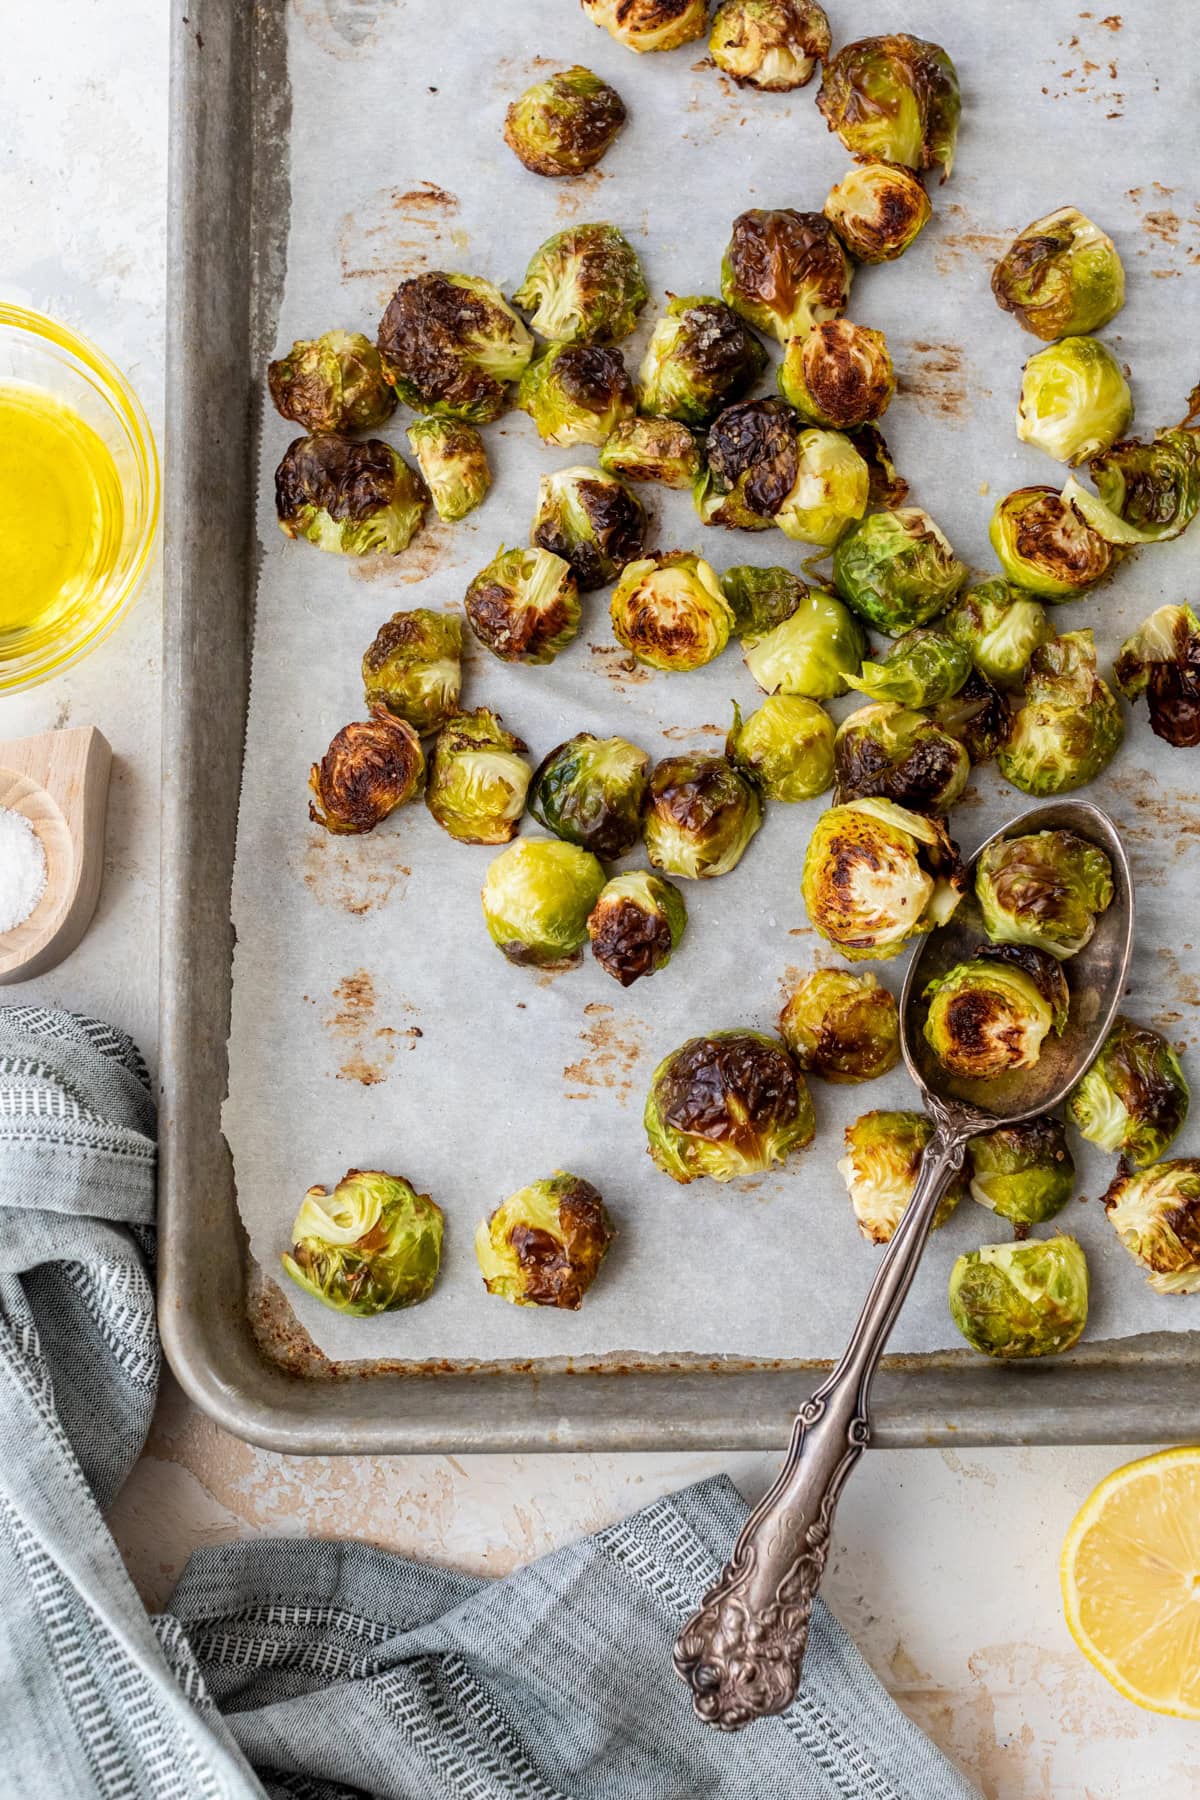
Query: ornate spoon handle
[[741, 1652]]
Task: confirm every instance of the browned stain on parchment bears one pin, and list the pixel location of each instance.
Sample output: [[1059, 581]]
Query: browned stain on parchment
[[1158, 827], [613, 1049], [680, 733], [367, 1048], [398, 232], [577, 193], [621, 668], [431, 550], [355, 878], [935, 379], [1092, 70], [965, 241]]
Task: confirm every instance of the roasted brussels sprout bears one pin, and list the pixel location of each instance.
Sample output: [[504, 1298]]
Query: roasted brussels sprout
[[451, 344], [702, 814], [564, 125], [636, 925], [478, 779], [371, 1246], [592, 791], [885, 484], [1147, 493], [897, 569], [536, 899], [592, 521], [760, 599], [890, 751], [1075, 401], [773, 45], [1070, 726], [332, 383], [978, 717], [843, 1026], [1020, 1300], [878, 209], [644, 25], [1156, 1215], [653, 450], [1045, 888], [453, 461], [370, 768], [355, 499], [786, 746], [524, 607], [1133, 1101], [576, 393], [1162, 661], [585, 285], [751, 465], [545, 1245], [1046, 546], [414, 668], [699, 358], [1060, 276], [1024, 1173], [998, 629], [880, 1169], [831, 490], [992, 1014], [785, 271], [840, 375], [811, 652], [726, 1105], [670, 611], [876, 875], [920, 669], [893, 99]]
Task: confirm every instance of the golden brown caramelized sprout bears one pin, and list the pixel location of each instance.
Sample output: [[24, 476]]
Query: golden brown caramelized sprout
[[1060, 275], [592, 520], [773, 45], [1133, 1101], [592, 791], [545, 1245], [644, 25], [371, 1246], [585, 285], [453, 461], [991, 1015], [893, 99], [843, 1026], [880, 1169], [1162, 661], [877, 875], [878, 209], [564, 125], [840, 375], [1023, 1172], [351, 498], [702, 815], [653, 450], [785, 271], [371, 767], [478, 779], [1156, 1215], [414, 667], [1045, 888], [1046, 546], [636, 925], [978, 717], [1019, 1300], [726, 1105], [700, 357], [524, 607], [895, 753], [752, 464], [576, 393], [670, 611], [332, 383], [451, 344]]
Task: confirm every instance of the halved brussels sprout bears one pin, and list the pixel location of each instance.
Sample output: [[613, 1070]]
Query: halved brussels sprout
[[1045, 888], [453, 461], [524, 607], [760, 599], [992, 1014], [773, 45], [536, 899], [1020, 1300], [451, 344], [785, 271], [653, 450], [880, 1169], [727, 1105], [1025, 1172], [699, 358], [355, 499], [636, 925], [702, 815], [592, 791], [840, 375], [843, 1026], [978, 717], [670, 611], [1162, 661], [332, 383], [1045, 544], [886, 486], [786, 746], [478, 779], [1075, 400], [890, 751], [999, 629], [893, 99], [576, 393], [564, 125], [1060, 276], [592, 521], [897, 569], [919, 669], [371, 1246], [877, 875], [1147, 493], [414, 667], [1134, 1099], [751, 465], [545, 1244], [584, 285], [1070, 726], [644, 25], [1156, 1215], [877, 210], [831, 490], [370, 768], [811, 653]]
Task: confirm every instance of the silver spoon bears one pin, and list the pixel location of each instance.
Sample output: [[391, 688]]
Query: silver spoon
[[742, 1651]]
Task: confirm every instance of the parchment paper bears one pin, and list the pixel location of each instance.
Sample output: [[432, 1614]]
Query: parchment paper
[[374, 1022]]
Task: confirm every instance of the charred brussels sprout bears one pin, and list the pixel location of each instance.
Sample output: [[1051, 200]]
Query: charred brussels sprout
[[451, 344], [1146, 493], [785, 271], [702, 815], [1156, 1215], [885, 484], [831, 490], [998, 629], [453, 461], [978, 717], [843, 1026], [653, 450], [700, 357], [414, 668], [1020, 1300], [332, 383], [877, 875], [545, 1245], [893, 99], [894, 753], [592, 521], [576, 393], [524, 607], [1046, 888], [773, 45], [636, 925], [1060, 276], [592, 791], [478, 779], [897, 569], [811, 653], [1162, 661], [760, 599], [880, 1169], [585, 285], [752, 464], [1070, 726], [786, 746], [920, 669], [992, 1014], [1075, 401], [536, 899], [644, 25], [355, 499], [840, 375], [371, 1246], [1133, 1101], [670, 611], [1046, 546], [726, 1105], [877, 210], [1024, 1173], [371, 767], [564, 125]]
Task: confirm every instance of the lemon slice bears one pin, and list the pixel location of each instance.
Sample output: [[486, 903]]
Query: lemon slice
[[1131, 1581]]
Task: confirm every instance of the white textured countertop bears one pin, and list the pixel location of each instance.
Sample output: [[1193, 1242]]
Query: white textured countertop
[[944, 1563]]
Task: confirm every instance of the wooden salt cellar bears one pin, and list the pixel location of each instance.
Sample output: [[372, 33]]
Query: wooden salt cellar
[[59, 782]]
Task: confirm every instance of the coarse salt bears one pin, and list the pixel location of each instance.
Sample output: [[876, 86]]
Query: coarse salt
[[22, 869]]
